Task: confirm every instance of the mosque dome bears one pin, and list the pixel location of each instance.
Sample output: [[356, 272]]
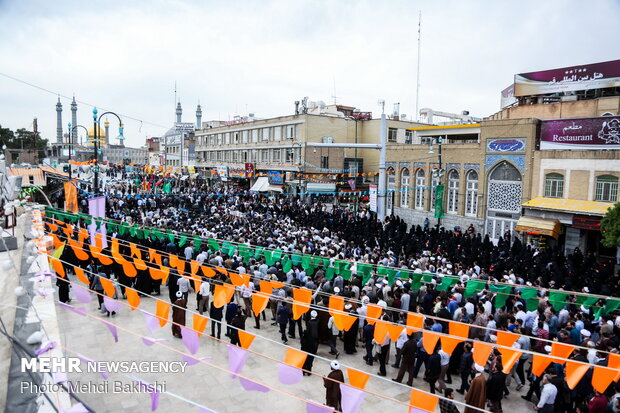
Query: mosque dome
[[100, 135]]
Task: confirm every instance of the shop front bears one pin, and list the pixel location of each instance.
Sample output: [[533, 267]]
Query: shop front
[[539, 232]]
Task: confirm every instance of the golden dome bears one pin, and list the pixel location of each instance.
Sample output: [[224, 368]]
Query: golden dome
[[100, 135]]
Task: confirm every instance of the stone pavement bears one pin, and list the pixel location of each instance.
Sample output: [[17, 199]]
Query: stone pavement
[[211, 387]]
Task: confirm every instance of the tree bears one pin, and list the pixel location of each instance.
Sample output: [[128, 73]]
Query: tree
[[610, 227], [22, 139]]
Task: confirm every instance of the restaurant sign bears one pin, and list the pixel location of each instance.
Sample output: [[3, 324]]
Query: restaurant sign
[[581, 133]]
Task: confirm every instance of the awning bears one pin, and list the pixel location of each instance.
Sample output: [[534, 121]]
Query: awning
[[184, 177], [533, 225], [261, 182], [274, 188], [569, 205], [314, 187]]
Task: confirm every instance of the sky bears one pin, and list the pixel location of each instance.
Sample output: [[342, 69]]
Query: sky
[[240, 57]]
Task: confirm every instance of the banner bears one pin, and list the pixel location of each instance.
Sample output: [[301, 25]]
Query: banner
[[71, 200], [581, 133], [96, 208], [373, 197], [568, 79], [439, 201]]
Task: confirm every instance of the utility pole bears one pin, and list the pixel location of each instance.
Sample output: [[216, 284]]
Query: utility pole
[[35, 128], [417, 92]]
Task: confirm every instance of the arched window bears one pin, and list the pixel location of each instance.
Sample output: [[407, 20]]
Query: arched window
[[505, 172], [419, 192], [471, 198], [606, 188], [404, 187], [453, 192], [391, 187], [554, 185]]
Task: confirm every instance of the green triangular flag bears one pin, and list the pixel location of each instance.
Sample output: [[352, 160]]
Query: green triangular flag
[[472, 287], [182, 240], [296, 259], [287, 264], [502, 294], [446, 283], [329, 274], [557, 299], [197, 243], [213, 245], [170, 235], [268, 257], [305, 262]]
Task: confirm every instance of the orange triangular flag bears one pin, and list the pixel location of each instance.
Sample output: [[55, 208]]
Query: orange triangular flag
[[423, 401], [602, 378], [160, 274], [506, 338], [99, 240], [561, 350], [429, 341], [540, 363], [458, 329], [614, 363], [58, 267], [197, 282], [239, 279], [357, 379], [154, 257], [208, 272], [200, 322], [381, 330], [294, 357], [129, 269], [139, 264], [415, 322], [336, 304], [78, 250], [265, 287], [222, 270], [222, 295], [162, 309], [108, 286], [301, 301], [448, 344], [373, 312], [245, 339], [172, 260], [133, 298], [79, 273], [193, 267], [574, 372], [276, 284], [259, 303], [394, 331], [481, 352], [180, 266], [344, 321], [509, 358], [135, 252]]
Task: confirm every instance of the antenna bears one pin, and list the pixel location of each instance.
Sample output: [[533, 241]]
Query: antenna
[[334, 95], [417, 90]]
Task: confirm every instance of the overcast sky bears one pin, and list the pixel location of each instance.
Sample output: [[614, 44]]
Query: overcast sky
[[237, 57]]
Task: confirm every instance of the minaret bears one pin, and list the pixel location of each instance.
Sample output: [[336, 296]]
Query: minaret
[[198, 117], [179, 112], [106, 124], [74, 123], [58, 121]]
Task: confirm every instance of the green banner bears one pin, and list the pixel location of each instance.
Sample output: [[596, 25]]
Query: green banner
[[439, 201]]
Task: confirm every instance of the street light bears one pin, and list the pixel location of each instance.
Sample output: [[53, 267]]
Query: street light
[[299, 168], [96, 139]]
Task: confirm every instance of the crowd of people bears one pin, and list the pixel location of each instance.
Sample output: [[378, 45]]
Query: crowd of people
[[313, 226]]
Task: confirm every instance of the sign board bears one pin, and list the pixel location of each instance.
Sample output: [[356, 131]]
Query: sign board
[[275, 177], [581, 133], [65, 152], [222, 171], [589, 223], [508, 97], [506, 145], [568, 79], [184, 126], [373, 197], [249, 169]]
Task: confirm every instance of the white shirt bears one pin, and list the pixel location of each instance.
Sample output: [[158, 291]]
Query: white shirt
[[402, 338], [547, 396], [183, 284], [469, 307], [445, 358], [201, 257], [205, 289], [189, 253]]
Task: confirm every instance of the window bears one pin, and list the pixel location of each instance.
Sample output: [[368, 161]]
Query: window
[[290, 155], [434, 183], [291, 131], [277, 133], [392, 132], [453, 192], [244, 136], [554, 185], [606, 188], [419, 193], [236, 137], [275, 156], [471, 199], [404, 188], [254, 135], [409, 137], [264, 134], [325, 162], [254, 155], [264, 156]]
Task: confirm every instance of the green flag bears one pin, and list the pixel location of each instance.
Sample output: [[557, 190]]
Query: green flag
[[182, 240], [446, 283], [557, 299], [439, 201], [329, 274], [197, 243], [213, 245], [296, 259], [473, 286], [287, 264], [268, 257], [502, 292], [167, 189]]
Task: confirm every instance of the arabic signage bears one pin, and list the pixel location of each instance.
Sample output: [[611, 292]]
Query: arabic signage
[[184, 126], [249, 169], [373, 197], [275, 177], [589, 223], [568, 79], [581, 133], [506, 145]]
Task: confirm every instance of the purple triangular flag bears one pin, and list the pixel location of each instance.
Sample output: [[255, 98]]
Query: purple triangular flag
[[82, 294], [236, 359], [78, 310], [111, 304], [252, 386], [150, 341], [152, 322], [289, 374], [190, 339], [45, 348], [316, 407], [193, 360], [112, 329], [154, 400], [351, 398]]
